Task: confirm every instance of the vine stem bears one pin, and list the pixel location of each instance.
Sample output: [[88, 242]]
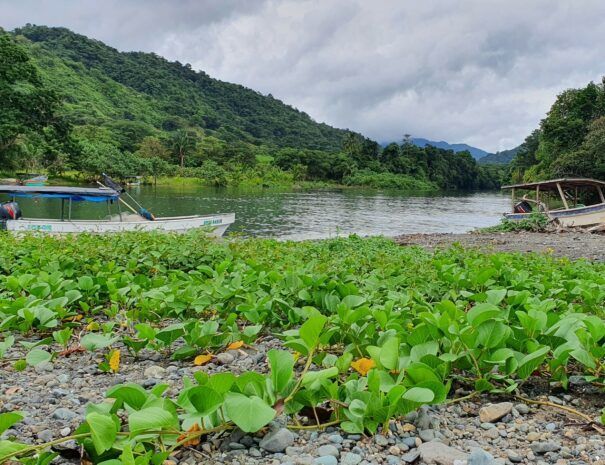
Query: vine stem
[[312, 427], [589, 420], [300, 378], [461, 399], [46, 445]]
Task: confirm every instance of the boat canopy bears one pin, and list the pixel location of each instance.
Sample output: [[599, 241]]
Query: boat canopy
[[553, 183], [76, 194]]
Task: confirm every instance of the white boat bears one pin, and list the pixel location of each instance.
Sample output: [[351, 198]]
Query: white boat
[[12, 220], [572, 202]]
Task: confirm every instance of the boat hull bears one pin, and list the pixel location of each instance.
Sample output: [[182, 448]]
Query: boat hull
[[574, 217], [216, 225]]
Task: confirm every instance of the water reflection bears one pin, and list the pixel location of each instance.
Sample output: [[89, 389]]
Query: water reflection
[[306, 214]]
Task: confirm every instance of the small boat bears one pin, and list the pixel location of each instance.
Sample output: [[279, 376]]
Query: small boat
[[26, 179], [572, 202], [11, 217], [134, 180]]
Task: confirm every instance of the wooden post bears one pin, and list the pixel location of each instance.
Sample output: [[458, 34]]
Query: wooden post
[[562, 196], [69, 209], [538, 197], [513, 199], [601, 194], [62, 209], [575, 203]]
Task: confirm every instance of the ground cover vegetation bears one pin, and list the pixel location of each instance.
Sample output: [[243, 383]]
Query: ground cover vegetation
[[370, 330], [71, 103]]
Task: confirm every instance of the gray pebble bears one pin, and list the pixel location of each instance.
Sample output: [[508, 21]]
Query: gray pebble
[[350, 458], [225, 358], [64, 414], [277, 441], [328, 449], [325, 460]]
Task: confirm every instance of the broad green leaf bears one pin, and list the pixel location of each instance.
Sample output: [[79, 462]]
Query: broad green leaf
[[37, 356], [531, 361], [131, 394], [389, 354], [311, 330], [492, 333], [249, 413], [482, 312], [8, 419], [150, 418], [419, 395], [353, 301], [93, 341], [204, 400], [282, 365], [9, 448], [103, 431]]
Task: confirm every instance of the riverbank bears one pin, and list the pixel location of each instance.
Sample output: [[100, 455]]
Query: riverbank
[[572, 245]]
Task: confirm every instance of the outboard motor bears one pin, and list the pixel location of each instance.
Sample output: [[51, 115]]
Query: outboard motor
[[523, 207], [10, 211]]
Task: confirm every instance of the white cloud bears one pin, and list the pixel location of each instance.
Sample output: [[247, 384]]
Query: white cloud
[[475, 71]]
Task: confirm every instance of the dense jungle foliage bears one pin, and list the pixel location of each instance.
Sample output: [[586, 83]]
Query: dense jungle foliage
[[73, 103], [570, 141]]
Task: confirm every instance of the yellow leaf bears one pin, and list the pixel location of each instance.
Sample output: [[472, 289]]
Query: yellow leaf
[[235, 345], [363, 365], [92, 326], [114, 361], [202, 359], [195, 440], [296, 356], [75, 318]]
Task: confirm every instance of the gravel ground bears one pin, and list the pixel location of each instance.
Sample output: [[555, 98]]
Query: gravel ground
[[573, 245], [481, 431]]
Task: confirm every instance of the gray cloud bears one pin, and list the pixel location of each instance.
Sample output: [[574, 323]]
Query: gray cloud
[[475, 71]]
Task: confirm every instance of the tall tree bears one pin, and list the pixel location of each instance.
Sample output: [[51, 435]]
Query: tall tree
[[183, 143], [27, 106]]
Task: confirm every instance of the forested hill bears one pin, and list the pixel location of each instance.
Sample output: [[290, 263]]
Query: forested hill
[[72, 104], [570, 140], [137, 94]]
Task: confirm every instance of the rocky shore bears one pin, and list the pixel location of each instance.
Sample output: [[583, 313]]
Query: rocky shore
[[478, 431], [573, 245]]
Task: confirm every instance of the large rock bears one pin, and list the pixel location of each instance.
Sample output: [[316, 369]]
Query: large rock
[[493, 412], [480, 457], [438, 453], [278, 440]]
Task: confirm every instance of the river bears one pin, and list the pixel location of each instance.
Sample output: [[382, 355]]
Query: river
[[308, 214]]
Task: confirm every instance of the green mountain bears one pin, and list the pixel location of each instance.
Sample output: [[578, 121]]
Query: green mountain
[[137, 94], [500, 158]]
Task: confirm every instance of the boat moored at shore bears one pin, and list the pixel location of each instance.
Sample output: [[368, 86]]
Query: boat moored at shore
[[11, 218], [572, 202]]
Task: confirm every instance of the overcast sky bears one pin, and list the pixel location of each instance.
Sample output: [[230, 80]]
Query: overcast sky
[[482, 72]]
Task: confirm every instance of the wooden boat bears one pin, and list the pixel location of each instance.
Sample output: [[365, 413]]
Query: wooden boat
[[11, 219], [26, 179], [572, 202]]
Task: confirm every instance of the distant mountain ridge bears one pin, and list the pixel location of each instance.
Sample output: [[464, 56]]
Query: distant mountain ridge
[[500, 158], [477, 153]]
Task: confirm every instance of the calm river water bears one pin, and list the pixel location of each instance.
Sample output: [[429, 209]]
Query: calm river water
[[308, 214]]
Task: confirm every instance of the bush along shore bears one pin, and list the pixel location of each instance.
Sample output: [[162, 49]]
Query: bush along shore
[[144, 348]]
